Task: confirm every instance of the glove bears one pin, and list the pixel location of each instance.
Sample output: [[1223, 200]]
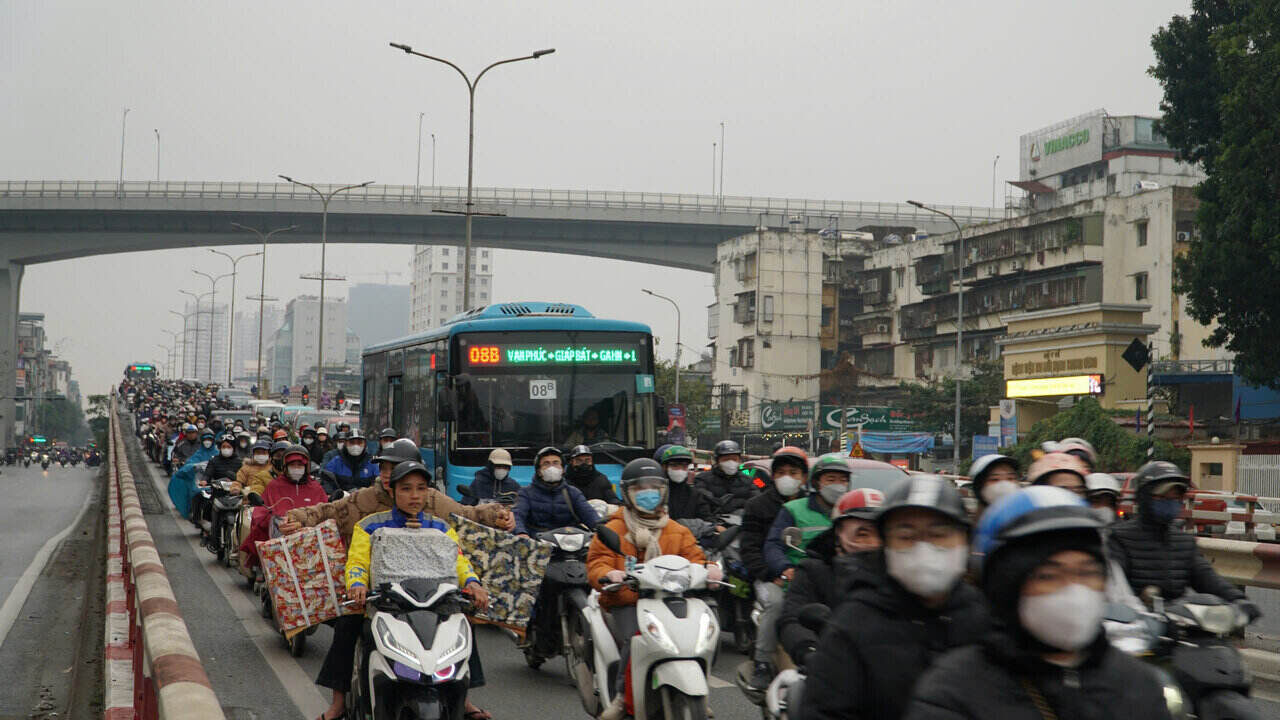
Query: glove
[[1249, 609]]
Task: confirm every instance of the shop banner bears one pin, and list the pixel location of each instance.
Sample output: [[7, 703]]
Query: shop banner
[[786, 415], [879, 418]]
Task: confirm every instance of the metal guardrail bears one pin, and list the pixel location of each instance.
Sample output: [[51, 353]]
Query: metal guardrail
[[168, 680], [1192, 367], [523, 197], [1255, 564]]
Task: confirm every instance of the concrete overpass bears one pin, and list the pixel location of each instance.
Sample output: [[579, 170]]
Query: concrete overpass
[[44, 221]]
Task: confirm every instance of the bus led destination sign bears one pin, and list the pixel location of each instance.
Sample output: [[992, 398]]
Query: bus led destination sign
[[1044, 387], [535, 355]]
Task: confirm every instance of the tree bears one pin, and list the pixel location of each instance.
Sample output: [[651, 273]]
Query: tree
[[1118, 449], [1220, 69], [99, 418], [63, 420], [695, 394], [933, 405]]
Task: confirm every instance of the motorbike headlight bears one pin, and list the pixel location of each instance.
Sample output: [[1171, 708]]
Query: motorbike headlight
[[675, 581], [652, 628], [461, 648], [570, 543], [708, 629], [388, 641]]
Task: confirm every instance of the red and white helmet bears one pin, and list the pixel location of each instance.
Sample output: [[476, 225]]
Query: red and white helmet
[[860, 503]]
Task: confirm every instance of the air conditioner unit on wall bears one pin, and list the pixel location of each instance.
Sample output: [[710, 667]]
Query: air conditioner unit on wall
[[882, 328], [1184, 237]]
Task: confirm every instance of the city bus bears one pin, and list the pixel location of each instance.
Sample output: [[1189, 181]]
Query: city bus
[[140, 371], [517, 376]]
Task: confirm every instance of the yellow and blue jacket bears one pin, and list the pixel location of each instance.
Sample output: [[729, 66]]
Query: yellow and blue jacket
[[358, 553]]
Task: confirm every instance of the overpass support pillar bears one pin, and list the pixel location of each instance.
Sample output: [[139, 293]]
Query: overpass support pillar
[[10, 290]]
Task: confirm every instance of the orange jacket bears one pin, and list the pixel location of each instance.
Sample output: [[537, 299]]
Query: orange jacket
[[675, 540]]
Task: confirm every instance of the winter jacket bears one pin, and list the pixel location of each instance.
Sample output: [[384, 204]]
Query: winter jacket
[[220, 467], [987, 681], [317, 452], [674, 540], [1153, 553], [283, 495], [348, 511], [487, 487], [880, 641], [182, 486], [183, 449], [254, 477], [358, 555], [684, 502], [353, 473], [594, 485], [730, 492], [776, 554], [540, 506], [814, 582], [757, 518]]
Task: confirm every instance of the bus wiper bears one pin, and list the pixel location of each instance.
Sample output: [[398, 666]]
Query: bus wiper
[[598, 447]]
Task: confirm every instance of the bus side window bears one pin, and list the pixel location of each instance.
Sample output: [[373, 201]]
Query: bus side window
[[445, 410]]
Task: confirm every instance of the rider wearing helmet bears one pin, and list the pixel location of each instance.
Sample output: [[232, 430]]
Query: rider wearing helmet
[[788, 467], [684, 501], [1043, 574], [903, 605], [1152, 551], [645, 531], [582, 474], [723, 481], [1059, 470], [385, 438], [992, 477], [226, 463], [853, 530], [494, 480], [255, 471], [183, 484], [353, 469], [313, 446], [292, 487], [1079, 447], [185, 447], [244, 441], [1102, 492]]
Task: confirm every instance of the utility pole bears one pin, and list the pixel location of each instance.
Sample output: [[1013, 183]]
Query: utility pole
[[124, 121], [262, 290]]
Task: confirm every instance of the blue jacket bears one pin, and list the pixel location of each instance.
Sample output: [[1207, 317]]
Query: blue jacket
[[542, 507], [182, 486], [352, 473], [486, 487]]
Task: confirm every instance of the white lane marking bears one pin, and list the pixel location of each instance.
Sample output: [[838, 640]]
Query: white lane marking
[[298, 684], [21, 589]]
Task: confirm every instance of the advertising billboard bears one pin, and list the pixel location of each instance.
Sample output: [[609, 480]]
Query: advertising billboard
[[1062, 146]]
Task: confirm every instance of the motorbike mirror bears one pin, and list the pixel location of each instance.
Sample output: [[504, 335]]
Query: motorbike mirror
[[728, 536], [792, 537], [1116, 612], [814, 616], [256, 500], [465, 491], [609, 538], [1152, 599]]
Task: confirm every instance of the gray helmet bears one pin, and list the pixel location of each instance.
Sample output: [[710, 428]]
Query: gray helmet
[[727, 447], [1158, 472], [387, 432], [928, 492], [402, 450], [577, 451]]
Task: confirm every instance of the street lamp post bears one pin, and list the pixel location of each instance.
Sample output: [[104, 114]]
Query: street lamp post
[[417, 178], [677, 307], [262, 290], [183, 315], [433, 161], [213, 309], [157, 132], [173, 354], [124, 121], [167, 358], [959, 321], [195, 364], [231, 312], [471, 146], [324, 231]]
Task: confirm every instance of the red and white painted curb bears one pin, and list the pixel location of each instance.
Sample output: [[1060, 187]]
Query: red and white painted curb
[[117, 645]]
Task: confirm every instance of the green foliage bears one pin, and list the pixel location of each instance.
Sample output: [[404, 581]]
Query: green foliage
[[1119, 450], [695, 394], [63, 420], [99, 406], [934, 404], [99, 422], [1220, 70]]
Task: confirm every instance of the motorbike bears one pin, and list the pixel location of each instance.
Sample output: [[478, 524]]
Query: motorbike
[[1188, 642], [736, 599], [567, 568], [411, 661], [672, 653], [44, 462], [218, 521], [298, 643], [782, 698]]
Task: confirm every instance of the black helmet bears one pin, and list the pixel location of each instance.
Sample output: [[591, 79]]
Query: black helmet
[[226, 437], [388, 432], [354, 435], [641, 469], [404, 469], [308, 431], [577, 451], [544, 452], [342, 435], [727, 447], [1158, 472], [928, 492], [402, 450]]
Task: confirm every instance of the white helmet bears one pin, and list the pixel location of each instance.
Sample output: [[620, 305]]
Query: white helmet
[[1101, 483]]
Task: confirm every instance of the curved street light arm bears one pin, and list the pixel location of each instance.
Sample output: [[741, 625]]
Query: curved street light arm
[[411, 51], [533, 56]]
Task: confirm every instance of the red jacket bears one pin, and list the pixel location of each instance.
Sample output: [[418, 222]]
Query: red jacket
[[283, 495]]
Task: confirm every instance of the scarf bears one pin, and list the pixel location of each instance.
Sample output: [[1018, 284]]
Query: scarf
[[643, 532]]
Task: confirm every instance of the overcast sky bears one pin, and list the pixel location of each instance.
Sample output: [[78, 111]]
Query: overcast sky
[[832, 100]]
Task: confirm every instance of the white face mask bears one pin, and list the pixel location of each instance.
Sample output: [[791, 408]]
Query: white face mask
[[500, 473], [787, 485], [729, 468], [261, 459], [1068, 619], [355, 450], [678, 476], [226, 452], [307, 441], [295, 473], [552, 474], [925, 569], [1105, 515], [342, 445], [993, 491], [207, 443]]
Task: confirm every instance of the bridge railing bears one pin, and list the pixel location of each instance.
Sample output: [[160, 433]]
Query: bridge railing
[[527, 197]]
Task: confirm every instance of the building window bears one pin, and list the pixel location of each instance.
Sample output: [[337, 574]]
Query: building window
[[827, 315], [1140, 286], [484, 253], [445, 251], [484, 268], [1142, 234], [444, 293], [444, 266], [744, 310], [747, 352], [767, 314], [484, 296], [901, 273]]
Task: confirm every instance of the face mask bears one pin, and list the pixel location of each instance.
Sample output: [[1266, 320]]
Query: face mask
[[1068, 619], [551, 474], [500, 473], [207, 443], [238, 428], [307, 441], [1105, 515], [261, 459], [355, 450], [226, 452], [1165, 511], [729, 468], [925, 569], [199, 426], [342, 446], [647, 500], [787, 485], [678, 476], [243, 443], [580, 471], [993, 491], [831, 492], [387, 445], [295, 473]]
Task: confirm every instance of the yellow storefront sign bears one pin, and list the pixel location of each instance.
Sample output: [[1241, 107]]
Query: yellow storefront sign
[[1042, 387]]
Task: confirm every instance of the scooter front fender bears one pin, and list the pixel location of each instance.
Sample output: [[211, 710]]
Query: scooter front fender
[[686, 676]]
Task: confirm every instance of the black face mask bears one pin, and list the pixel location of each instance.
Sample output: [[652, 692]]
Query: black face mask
[[578, 472]]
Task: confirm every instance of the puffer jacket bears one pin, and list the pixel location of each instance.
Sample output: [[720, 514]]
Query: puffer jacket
[[757, 518], [254, 477], [352, 473], [486, 486], [987, 681], [348, 511], [674, 540], [1154, 553], [731, 492], [814, 582], [880, 641], [540, 506], [687, 502], [594, 485], [220, 467]]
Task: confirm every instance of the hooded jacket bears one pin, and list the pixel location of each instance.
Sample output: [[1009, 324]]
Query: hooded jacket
[[540, 506], [686, 501], [486, 487], [182, 486], [594, 485], [757, 517], [353, 473], [254, 477], [814, 582], [880, 641], [732, 492]]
